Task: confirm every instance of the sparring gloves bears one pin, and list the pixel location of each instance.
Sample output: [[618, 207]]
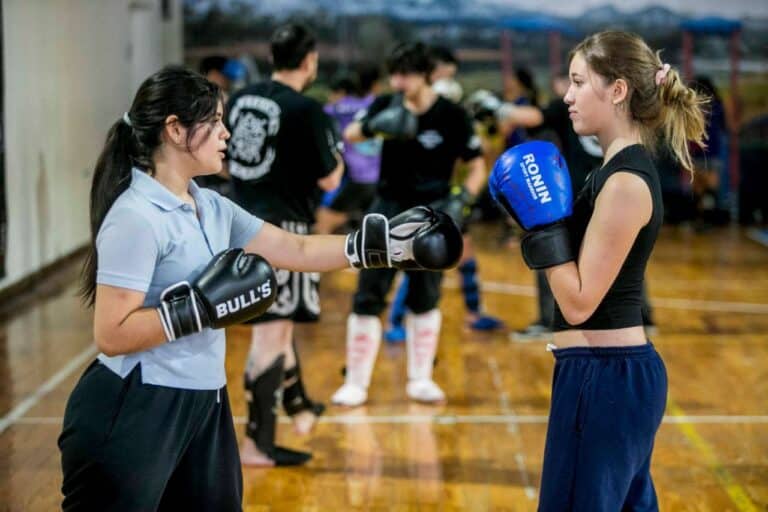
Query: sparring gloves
[[458, 205], [233, 288], [417, 239], [531, 182], [395, 121]]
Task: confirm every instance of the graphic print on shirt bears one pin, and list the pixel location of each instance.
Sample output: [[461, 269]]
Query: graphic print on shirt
[[255, 121], [430, 139]]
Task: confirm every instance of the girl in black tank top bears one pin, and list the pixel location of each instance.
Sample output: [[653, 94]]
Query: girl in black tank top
[[610, 384], [621, 306]]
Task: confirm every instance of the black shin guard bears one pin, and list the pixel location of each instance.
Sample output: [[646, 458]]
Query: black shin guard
[[295, 397], [261, 395]]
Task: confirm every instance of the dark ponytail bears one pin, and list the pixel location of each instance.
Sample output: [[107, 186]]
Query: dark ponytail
[[133, 140]]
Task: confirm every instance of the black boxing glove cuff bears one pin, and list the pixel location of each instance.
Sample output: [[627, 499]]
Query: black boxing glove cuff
[[547, 247], [181, 312], [368, 247]]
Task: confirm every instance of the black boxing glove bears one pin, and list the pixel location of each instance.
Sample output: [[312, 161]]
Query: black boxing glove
[[458, 205], [233, 288], [419, 238], [395, 122]]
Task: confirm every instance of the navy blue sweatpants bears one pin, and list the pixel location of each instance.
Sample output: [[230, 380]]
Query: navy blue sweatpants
[[607, 404]]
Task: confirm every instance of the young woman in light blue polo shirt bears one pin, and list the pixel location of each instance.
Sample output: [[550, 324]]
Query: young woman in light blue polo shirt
[[148, 426]]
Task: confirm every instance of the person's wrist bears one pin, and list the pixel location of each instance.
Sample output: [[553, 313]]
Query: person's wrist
[[351, 252]]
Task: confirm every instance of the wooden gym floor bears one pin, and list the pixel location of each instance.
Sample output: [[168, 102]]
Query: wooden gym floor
[[483, 450]]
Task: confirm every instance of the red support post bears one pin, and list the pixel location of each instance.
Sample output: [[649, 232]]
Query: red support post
[[506, 57], [554, 54], [687, 56]]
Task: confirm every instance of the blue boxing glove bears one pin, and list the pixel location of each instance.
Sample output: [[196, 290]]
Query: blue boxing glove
[[531, 182]]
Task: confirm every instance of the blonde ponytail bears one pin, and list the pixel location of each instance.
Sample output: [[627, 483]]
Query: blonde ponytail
[[682, 117]]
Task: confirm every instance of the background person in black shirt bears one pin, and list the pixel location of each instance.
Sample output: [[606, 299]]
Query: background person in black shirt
[[424, 137], [282, 149], [225, 73], [443, 79]]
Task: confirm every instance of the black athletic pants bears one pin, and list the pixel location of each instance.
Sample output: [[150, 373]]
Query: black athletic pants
[[128, 446]]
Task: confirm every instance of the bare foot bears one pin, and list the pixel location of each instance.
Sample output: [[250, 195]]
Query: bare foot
[[250, 455], [304, 422]]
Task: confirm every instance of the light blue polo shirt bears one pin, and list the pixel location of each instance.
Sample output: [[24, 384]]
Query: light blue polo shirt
[[149, 240]]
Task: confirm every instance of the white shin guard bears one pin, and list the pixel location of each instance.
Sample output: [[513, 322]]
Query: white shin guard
[[422, 335], [363, 340]]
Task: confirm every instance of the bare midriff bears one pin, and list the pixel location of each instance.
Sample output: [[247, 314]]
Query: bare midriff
[[627, 336]]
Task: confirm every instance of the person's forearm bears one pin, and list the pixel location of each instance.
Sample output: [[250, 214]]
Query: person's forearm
[[520, 115], [315, 253], [140, 330], [354, 133], [573, 300], [476, 176]]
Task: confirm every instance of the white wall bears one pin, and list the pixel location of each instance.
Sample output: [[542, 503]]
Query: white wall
[[70, 70]]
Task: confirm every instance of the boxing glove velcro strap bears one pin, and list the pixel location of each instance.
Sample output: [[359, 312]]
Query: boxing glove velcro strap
[[180, 313], [547, 247], [368, 247]]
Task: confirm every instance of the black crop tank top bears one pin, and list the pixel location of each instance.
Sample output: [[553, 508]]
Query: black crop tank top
[[621, 306]]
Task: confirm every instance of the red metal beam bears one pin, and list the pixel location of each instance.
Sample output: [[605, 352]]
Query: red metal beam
[[554, 54], [506, 57], [687, 56]]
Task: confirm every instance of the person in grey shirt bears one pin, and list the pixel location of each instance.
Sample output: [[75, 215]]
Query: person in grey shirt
[[148, 425]]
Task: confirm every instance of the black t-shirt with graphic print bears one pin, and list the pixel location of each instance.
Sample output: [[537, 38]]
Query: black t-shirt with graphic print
[[282, 143], [418, 170]]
